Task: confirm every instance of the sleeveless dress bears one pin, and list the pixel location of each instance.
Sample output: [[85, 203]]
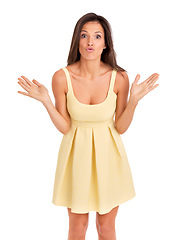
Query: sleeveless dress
[[92, 172]]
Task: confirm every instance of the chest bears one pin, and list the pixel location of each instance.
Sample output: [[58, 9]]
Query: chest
[[91, 91]]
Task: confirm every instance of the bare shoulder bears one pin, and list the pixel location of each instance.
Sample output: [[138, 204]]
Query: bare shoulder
[[59, 81], [59, 88], [73, 68], [59, 76], [122, 81]]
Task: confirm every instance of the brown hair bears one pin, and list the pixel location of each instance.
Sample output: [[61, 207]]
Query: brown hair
[[108, 55]]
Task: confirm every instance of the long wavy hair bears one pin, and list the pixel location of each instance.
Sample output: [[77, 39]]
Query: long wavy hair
[[108, 55]]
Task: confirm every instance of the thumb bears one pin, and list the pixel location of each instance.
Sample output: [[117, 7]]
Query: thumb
[[36, 82], [137, 78]]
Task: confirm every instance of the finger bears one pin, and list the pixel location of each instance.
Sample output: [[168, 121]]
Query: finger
[[155, 78], [24, 93], [27, 80], [37, 83], [23, 85], [151, 88], [22, 80], [154, 75], [137, 79], [152, 82]]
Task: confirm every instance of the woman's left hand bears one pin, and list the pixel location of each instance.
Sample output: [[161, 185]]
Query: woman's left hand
[[139, 91]]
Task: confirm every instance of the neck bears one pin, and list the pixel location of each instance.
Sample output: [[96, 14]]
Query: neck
[[90, 68]]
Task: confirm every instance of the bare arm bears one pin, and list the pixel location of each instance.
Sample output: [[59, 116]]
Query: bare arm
[[125, 110], [124, 121], [58, 115], [59, 84], [59, 121]]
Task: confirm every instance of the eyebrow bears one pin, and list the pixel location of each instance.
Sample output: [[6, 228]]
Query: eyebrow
[[95, 32]]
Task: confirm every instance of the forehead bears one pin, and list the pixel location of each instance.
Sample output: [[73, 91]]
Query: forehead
[[92, 27]]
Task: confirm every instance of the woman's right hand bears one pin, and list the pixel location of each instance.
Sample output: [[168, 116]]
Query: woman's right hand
[[36, 90]]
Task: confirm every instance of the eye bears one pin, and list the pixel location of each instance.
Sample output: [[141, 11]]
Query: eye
[[98, 36], [83, 35]]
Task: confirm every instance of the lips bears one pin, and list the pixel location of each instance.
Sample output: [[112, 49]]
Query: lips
[[89, 49]]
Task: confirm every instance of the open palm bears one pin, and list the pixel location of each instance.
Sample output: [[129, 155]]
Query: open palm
[[34, 89], [139, 91]]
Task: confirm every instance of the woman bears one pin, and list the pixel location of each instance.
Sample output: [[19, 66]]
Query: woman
[[92, 171]]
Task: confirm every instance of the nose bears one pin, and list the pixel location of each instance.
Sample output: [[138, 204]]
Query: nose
[[90, 41]]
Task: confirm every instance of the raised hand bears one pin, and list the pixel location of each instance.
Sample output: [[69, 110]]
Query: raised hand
[[139, 91], [36, 90]]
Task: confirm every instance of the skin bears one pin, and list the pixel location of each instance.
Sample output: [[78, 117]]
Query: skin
[[86, 74]]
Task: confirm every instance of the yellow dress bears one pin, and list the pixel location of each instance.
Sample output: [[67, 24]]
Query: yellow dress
[[92, 172]]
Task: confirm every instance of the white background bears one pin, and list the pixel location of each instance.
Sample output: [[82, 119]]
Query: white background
[[35, 42]]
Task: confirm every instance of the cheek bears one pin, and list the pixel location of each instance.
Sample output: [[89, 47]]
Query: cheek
[[81, 46], [100, 46], [82, 42], [100, 43]]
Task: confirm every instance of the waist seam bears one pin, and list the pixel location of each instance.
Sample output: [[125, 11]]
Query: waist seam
[[92, 123]]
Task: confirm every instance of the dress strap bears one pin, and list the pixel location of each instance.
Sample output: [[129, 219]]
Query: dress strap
[[113, 77], [68, 78]]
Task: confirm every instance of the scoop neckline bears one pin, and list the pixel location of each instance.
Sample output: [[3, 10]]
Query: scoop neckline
[[98, 104]]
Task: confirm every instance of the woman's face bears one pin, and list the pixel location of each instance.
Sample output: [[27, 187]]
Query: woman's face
[[91, 36]]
